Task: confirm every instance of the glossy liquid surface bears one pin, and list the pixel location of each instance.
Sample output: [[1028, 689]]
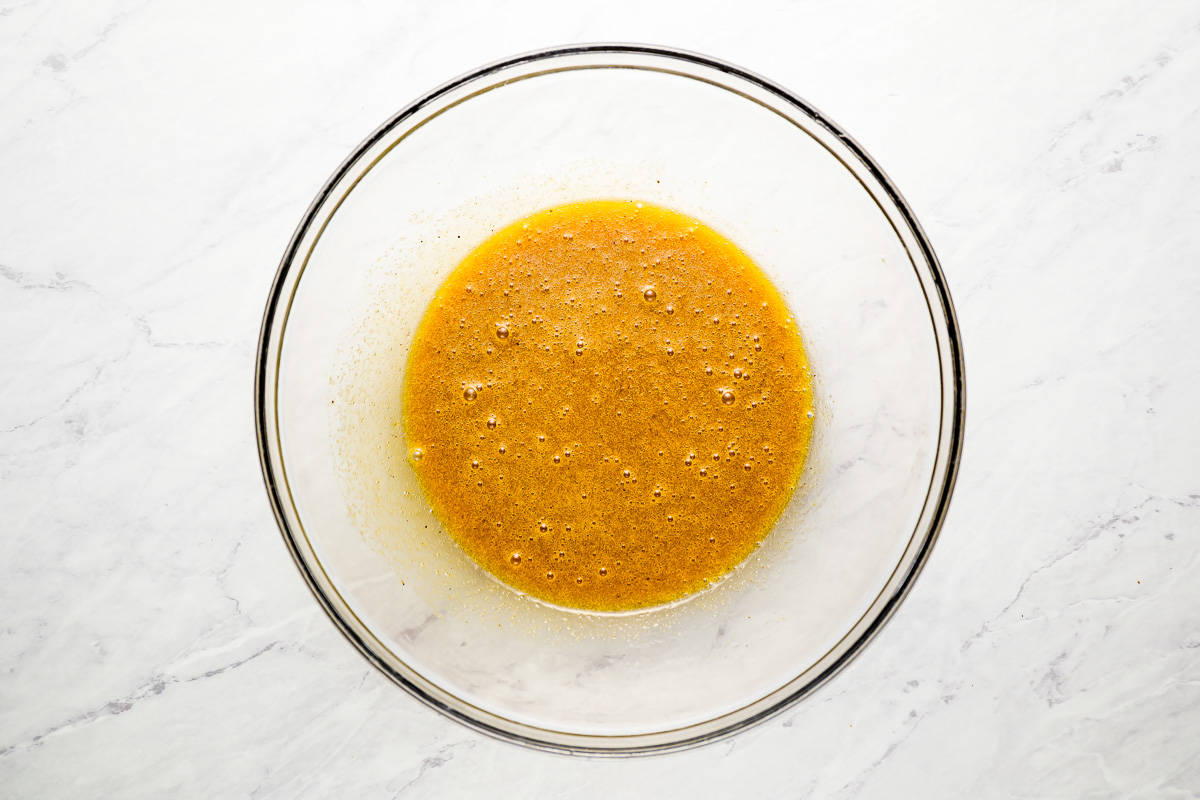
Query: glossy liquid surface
[[608, 405]]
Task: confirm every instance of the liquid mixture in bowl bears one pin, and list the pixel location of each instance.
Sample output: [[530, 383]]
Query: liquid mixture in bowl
[[608, 405]]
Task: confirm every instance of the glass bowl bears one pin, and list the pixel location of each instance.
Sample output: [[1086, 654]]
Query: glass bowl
[[760, 166]]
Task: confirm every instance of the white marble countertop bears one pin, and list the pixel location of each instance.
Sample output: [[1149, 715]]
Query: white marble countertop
[[156, 639]]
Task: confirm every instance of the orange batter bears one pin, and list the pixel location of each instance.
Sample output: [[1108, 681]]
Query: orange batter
[[608, 405]]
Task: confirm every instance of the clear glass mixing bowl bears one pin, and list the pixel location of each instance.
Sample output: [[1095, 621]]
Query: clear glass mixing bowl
[[675, 129]]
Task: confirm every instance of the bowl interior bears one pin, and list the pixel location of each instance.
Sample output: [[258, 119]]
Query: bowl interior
[[677, 132]]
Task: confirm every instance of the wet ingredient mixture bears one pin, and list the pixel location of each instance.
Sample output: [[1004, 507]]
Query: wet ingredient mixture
[[608, 405]]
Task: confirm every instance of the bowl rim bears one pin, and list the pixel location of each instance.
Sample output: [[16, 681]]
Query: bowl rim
[[947, 458]]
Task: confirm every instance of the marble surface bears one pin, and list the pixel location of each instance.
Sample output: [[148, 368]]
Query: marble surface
[[156, 639]]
